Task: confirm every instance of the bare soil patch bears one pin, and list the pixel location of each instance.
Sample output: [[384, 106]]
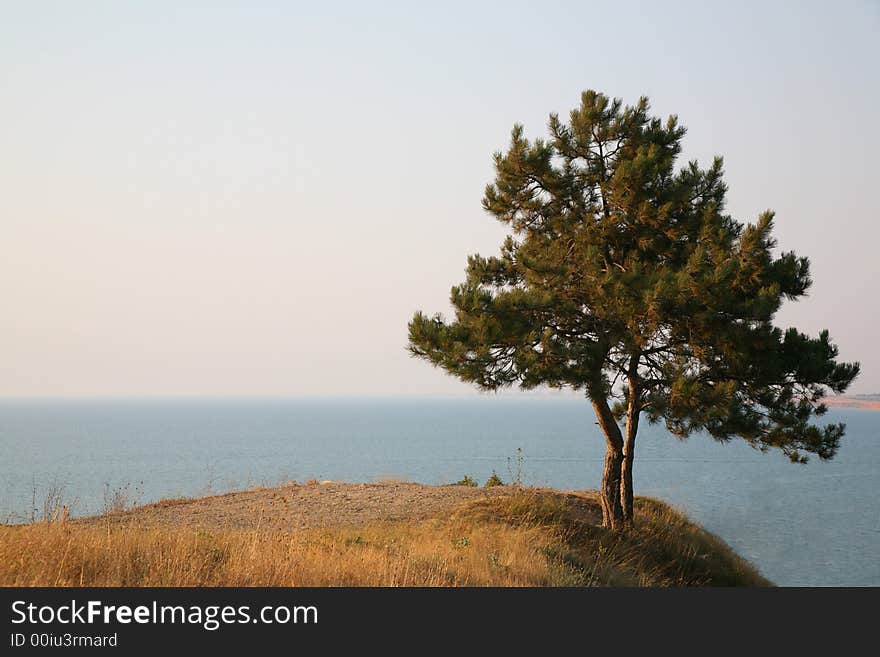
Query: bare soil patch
[[294, 506]]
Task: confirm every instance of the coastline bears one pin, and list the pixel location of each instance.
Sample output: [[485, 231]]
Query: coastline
[[854, 403]]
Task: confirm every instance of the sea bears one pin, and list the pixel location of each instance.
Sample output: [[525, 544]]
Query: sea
[[802, 525]]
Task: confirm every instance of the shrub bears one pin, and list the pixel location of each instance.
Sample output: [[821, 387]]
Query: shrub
[[494, 480]]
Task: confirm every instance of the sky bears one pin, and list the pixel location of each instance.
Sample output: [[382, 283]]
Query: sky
[[251, 199]]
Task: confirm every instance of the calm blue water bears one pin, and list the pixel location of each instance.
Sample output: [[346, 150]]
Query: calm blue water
[[817, 524]]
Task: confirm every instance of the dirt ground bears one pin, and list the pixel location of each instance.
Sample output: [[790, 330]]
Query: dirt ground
[[327, 504]]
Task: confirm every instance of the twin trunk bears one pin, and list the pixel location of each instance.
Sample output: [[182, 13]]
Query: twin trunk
[[617, 482], [617, 488]]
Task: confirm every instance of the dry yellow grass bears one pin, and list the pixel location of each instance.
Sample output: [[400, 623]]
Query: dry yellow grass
[[529, 538]]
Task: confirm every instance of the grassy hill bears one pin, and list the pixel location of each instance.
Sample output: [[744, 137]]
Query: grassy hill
[[411, 536]]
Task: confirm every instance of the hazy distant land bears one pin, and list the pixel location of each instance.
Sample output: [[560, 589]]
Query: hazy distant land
[[861, 402]]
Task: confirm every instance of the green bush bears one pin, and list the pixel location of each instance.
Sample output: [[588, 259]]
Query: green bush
[[494, 480]]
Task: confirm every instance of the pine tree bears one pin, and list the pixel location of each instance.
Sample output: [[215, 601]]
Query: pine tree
[[624, 278]]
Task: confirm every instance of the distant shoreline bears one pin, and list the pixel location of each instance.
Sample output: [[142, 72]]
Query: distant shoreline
[[852, 402]]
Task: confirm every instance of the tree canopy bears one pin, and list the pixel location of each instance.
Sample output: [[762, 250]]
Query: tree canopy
[[624, 277]]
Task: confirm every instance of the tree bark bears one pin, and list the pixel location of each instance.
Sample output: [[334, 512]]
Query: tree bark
[[612, 511], [629, 445], [626, 473]]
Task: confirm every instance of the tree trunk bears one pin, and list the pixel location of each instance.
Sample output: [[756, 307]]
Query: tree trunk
[[626, 468], [629, 445], [612, 511]]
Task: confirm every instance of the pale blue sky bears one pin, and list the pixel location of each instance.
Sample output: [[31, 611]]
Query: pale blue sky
[[253, 198]]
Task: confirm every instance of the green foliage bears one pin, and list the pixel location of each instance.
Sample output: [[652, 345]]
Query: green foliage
[[624, 277], [494, 480], [466, 481]]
